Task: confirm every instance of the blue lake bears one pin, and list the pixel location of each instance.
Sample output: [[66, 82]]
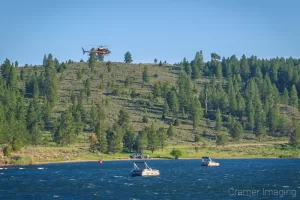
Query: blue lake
[[179, 179]]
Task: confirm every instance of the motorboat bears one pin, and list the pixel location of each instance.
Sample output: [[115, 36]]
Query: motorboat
[[141, 168], [207, 161]]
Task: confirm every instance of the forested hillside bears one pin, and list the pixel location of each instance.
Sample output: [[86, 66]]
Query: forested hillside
[[122, 107]]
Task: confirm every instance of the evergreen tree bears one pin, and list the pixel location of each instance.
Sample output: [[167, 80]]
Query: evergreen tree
[[195, 70], [155, 61], [218, 120], [273, 119], [115, 140], [65, 134], [145, 75], [285, 97], [142, 141], [166, 108], [160, 63], [171, 130], [172, 100], [294, 97], [295, 135], [153, 139], [92, 60], [245, 68], [127, 57], [162, 137], [123, 118], [129, 140], [222, 139], [236, 130], [219, 71]]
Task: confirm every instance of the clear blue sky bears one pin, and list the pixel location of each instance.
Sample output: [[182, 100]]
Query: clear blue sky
[[163, 29]]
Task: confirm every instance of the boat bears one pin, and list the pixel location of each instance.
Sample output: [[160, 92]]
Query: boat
[[207, 161], [141, 168]]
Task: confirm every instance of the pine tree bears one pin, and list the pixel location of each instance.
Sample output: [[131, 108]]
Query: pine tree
[[218, 120], [129, 140], [127, 57], [285, 96], [166, 108], [195, 71], [273, 119], [155, 61], [162, 137], [145, 75], [295, 135], [153, 139], [294, 97], [219, 74], [171, 130], [142, 140], [236, 130], [92, 60], [115, 140]]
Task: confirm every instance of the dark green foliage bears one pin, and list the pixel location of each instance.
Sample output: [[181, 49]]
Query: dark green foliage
[[79, 75], [176, 153], [145, 75], [128, 81], [7, 151], [65, 134], [171, 130], [160, 63], [222, 139], [176, 122], [145, 119], [153, 139], [218, 120], [295, 135], [142, 140], [157, 90], [294, 97], [236, 130], [172, 100], [108, 64], [87, 85], [92, 60], [197, 138], [115, 139], [127, 57], [162, 137], [22, 76], [123, 118], [166, 109], [155, 61], [129, 140]]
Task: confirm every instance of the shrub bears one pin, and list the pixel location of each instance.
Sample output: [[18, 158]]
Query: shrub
[[176, 153], [197, 138], [7, 151], [145, 119], [177, 122]]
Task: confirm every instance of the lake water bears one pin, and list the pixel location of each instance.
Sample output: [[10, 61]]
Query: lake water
[[179, 179]]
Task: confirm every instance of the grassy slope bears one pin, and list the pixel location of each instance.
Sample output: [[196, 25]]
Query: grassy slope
[[185, 133]]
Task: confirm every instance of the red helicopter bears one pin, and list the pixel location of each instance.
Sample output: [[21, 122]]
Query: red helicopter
[[99, 50]]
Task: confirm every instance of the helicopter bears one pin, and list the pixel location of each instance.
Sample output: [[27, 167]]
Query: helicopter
[[99, 50]]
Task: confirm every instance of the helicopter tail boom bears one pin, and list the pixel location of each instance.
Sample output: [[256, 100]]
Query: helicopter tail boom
[[83, 50]]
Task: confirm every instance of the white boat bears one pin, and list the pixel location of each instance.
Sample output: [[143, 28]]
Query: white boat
[[143, 170], [207, 161]]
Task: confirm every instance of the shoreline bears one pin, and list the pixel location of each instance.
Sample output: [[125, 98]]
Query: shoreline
[[126, 159]]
